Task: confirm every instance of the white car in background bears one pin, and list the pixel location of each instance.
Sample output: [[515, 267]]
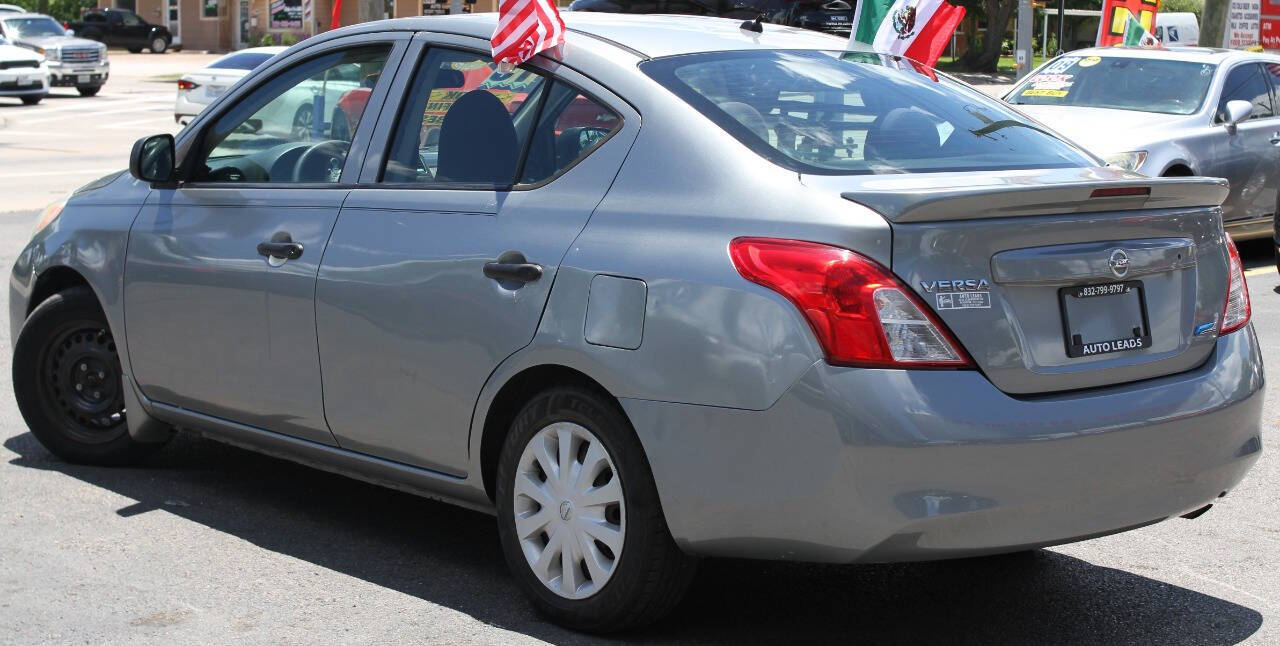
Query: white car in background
[[11, 8], [198, 89], [23, 73]]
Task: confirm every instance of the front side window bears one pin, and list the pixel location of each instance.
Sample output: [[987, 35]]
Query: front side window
[[296, 127], [849, 113], [1246, 83], [131, 20]]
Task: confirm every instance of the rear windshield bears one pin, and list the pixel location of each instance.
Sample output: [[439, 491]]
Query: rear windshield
[[853, 113], [1118, 82], [244, 61]]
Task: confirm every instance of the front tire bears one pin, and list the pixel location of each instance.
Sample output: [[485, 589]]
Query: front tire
[[135, 50], [32, 100], [88, 90], [158, 45], [581, 525], [68, 382]]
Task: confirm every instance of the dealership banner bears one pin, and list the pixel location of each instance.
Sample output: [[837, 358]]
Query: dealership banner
[[1269, 33], [1115, 19], [286, 14]]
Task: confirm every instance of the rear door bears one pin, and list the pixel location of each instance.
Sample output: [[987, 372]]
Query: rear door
[[220, 274], [442, 259]]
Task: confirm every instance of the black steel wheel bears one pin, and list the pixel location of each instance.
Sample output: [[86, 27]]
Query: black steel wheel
[[69, 384]]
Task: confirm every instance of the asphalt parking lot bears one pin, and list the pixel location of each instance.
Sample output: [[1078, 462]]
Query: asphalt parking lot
[[213, 544]]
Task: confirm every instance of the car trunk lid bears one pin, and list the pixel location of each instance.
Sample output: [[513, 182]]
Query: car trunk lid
[[1057, 280]]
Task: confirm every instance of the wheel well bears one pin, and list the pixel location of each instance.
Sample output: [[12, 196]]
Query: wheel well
[[508, 402], [52, 281], [1177, 170]]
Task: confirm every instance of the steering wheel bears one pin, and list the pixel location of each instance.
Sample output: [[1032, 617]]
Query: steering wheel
[[322, 162]]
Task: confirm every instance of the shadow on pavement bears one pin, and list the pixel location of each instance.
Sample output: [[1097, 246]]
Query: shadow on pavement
[[451, 557]]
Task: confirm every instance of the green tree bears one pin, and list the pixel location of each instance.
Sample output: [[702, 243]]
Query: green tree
[[986, 56], [61, 10]]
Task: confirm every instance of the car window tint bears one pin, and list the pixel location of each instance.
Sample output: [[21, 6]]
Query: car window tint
[[569, 127], [242, 61], [296, 127], [1245, 83], [463, 122], [132, 20]]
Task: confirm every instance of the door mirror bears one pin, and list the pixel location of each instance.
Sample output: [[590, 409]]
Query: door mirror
[[1235, 112], [152, 159], [71, 32]]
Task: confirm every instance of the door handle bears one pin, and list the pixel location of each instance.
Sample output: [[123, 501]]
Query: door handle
[[280, 250], [512, 266], [1275, 139], [520, 272]]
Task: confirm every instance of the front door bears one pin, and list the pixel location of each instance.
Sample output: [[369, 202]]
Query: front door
[[439, 268], [220, 274], [1247, 158], [133, 32], [173, 18]]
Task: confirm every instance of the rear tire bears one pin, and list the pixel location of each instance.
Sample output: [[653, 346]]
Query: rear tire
[[32, 100], [135, 50], [67, 380], [158, 45], [646, 576], [88, 90]]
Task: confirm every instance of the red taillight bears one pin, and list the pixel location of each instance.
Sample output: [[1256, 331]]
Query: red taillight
[[184, 84], [1237, 309], [861, 314]]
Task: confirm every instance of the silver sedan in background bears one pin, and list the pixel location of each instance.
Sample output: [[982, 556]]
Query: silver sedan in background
[[1171, 112]]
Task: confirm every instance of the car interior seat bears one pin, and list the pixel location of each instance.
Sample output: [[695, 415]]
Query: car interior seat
[[902, 133]]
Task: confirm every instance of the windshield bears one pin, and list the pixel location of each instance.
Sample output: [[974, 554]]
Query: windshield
[[244, 61], [1118, 82], [34, 27], [846, 113]]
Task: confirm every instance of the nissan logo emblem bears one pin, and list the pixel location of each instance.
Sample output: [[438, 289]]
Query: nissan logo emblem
[[1119, 263]]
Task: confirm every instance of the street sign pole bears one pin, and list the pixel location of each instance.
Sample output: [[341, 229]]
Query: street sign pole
[[1024, 45]]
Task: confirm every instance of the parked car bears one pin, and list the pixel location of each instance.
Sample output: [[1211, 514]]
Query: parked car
[[72, 62], [123, 28], [824, 305], [1175, 111], [23, 73], [196, 90], [1177, 28], [831, 16]]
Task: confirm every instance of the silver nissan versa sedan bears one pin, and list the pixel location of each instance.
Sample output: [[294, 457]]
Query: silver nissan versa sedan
[[675, 289]]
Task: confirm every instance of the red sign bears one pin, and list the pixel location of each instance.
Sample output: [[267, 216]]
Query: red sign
[[1115, 14], [1269, 36]]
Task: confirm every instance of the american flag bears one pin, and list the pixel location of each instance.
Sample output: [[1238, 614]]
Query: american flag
[[525, 27]]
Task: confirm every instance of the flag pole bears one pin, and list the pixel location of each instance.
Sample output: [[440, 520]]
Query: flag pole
[[1062, 9]]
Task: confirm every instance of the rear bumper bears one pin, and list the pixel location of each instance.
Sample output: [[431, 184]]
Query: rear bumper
[[883, 465]]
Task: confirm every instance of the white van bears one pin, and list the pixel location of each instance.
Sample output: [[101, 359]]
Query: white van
[[1177, 28]]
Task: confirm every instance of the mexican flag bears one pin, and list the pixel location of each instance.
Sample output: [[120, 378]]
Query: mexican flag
[[1136, 36], [917, 29]]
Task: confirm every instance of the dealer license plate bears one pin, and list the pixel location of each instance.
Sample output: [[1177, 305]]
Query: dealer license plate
[[83, 78], [1104, 318]]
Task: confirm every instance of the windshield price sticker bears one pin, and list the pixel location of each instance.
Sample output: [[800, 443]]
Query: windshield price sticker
[[1052, 81], [1091, 61], [1037, 92], [1061, 65]]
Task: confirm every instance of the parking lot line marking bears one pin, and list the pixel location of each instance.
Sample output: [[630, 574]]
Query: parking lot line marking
[[95, 113]]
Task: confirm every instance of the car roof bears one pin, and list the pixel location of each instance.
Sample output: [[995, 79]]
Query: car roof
[[646, 34], [1192, 54]]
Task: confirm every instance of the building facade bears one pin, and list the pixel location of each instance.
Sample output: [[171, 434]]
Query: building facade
[[224, 25]]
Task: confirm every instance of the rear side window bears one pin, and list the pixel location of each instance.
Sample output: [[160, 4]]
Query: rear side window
[[1245, 83], [838, 113], [465, 124]]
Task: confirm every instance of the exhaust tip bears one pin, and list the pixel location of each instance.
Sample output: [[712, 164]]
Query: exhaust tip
[[1191, 515]]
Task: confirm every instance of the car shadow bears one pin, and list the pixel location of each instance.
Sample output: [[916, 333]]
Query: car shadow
[[451, 557]]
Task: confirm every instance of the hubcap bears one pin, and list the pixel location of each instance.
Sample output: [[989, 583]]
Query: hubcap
[[81, 380], [569, 512]]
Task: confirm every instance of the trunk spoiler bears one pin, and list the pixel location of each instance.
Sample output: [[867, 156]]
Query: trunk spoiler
[[969, 196]]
